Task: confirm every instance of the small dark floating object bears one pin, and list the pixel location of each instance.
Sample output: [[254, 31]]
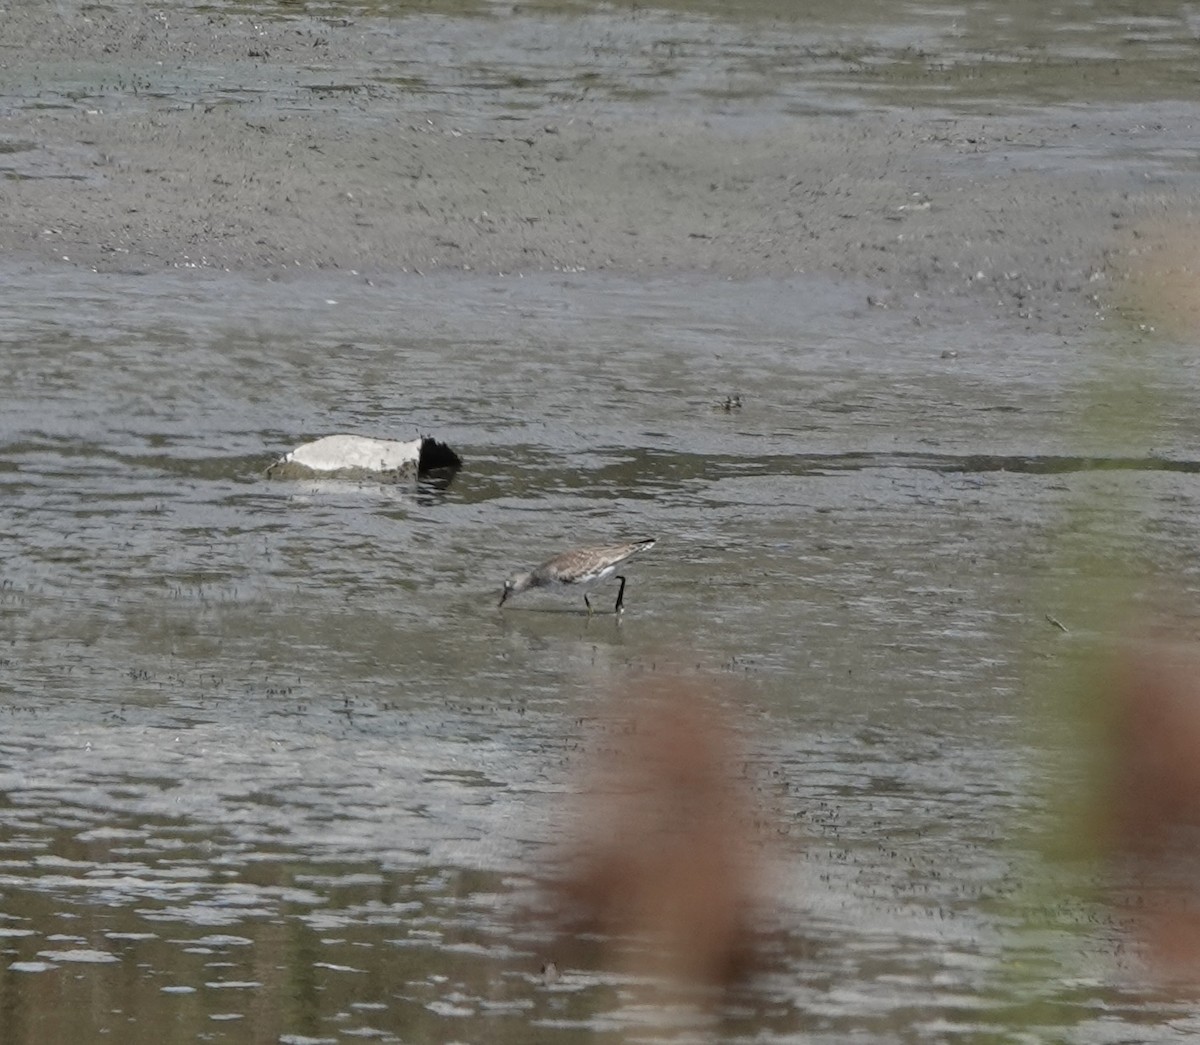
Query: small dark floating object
[[357, 457]]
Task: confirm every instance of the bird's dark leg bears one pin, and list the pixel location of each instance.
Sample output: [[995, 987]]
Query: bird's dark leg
[[620, 595], [587, 604]]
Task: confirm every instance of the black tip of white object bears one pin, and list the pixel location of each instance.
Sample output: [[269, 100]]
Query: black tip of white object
[[437, 458]]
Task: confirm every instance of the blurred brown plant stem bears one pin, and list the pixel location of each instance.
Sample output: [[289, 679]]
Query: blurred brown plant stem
[[662, 866], [1156, 800]]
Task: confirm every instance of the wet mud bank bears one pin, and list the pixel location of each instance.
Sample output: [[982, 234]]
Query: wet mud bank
[[829, 321], [135, 140]]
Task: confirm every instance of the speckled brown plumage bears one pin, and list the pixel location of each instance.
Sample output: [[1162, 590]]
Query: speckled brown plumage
[[579, 566]]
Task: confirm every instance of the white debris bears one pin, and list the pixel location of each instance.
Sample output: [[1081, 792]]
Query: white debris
[[355, 456], [336, 452]]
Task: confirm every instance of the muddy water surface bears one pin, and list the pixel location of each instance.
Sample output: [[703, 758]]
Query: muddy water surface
[[273, 765]]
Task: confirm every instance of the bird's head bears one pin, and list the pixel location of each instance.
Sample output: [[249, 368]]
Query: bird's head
[[518, 582]]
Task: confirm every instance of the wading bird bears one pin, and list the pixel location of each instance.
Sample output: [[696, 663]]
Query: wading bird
[[579, 567]]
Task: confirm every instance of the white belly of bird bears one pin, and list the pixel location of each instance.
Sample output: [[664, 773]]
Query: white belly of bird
[[587, 580]]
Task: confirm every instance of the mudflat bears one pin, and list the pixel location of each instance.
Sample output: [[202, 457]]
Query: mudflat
[[136, 139], [821, 295]]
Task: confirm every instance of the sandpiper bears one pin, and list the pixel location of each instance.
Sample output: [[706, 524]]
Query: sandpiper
[[579, 566]]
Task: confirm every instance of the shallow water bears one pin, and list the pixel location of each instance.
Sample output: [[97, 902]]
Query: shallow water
[[275, 768], [473, 62], [275, 764]]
